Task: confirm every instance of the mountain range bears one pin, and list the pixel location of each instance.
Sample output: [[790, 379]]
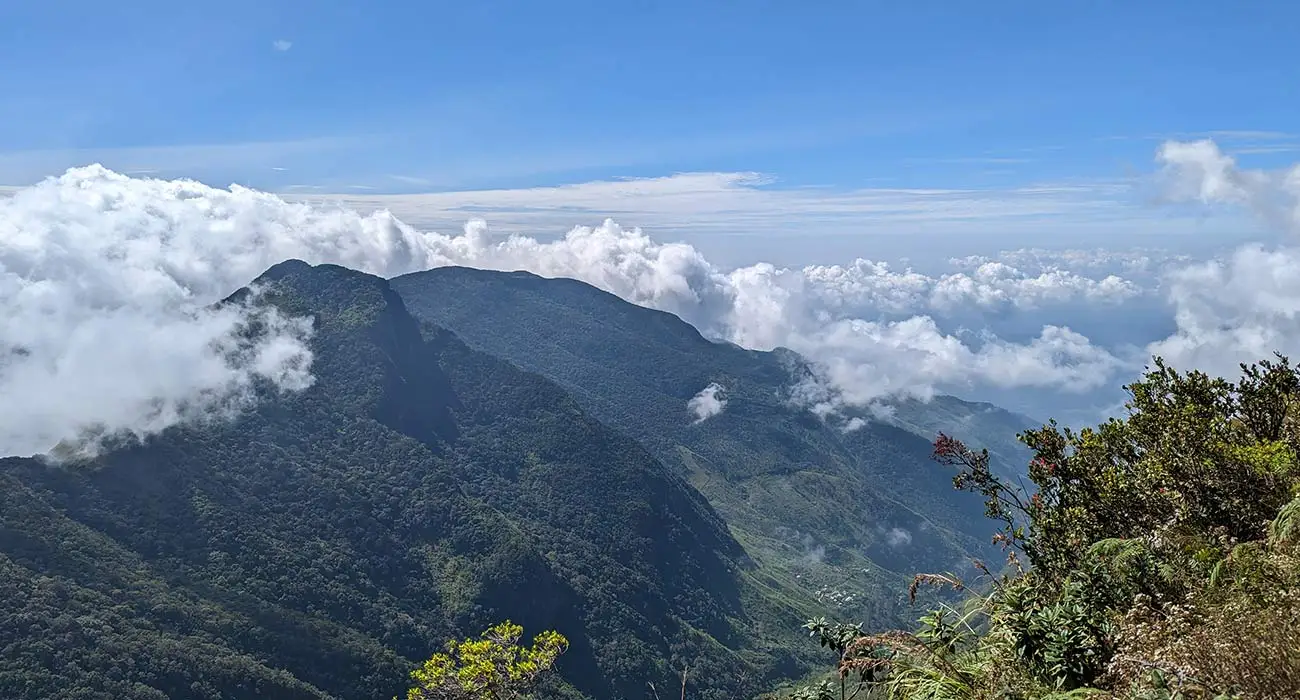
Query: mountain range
[[476, 446]]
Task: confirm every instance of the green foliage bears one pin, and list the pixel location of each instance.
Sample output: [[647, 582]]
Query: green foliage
[[1156, 556], [492, 667]]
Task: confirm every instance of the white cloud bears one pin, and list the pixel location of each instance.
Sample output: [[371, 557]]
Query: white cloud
[[852, 424], [93, 251], [736, 218], [861, 363], [707, 403], [104, 287], [1245, 305], [282, 45], [1236, 310], [411, 180], [814, 555], [991, 285], [1200, 171], [1251, 135], [94, 245]]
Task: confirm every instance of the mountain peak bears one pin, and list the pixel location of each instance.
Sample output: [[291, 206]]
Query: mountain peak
[[283, 269], [417, 491]]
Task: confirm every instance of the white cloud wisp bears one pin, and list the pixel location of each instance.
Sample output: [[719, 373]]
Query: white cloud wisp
[[708, 403]]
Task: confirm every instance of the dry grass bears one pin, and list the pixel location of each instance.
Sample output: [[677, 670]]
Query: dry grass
[[1246, 646]]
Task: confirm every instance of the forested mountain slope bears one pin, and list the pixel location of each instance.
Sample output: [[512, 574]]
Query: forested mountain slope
[[322, 542], [828, 514]]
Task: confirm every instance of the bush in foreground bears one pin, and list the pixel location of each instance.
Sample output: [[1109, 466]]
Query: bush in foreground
[[492, 667], [1155, 556]]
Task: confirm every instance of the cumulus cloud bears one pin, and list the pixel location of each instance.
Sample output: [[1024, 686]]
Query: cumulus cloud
[[282, 45], [707, 403], [861, 363], [89, 255], [1200, 171], [1234, 310], [854, 423], [839, 318], [106, 287], [1244, 305]]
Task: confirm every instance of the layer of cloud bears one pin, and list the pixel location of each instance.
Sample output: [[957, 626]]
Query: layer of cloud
[[1135, 262], [736, 218], [121, 266], [94, 251], [106, 283], [746, 202], [708, 403], [990, 285]]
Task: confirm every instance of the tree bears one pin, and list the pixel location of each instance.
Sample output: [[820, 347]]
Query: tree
[[492, 667]]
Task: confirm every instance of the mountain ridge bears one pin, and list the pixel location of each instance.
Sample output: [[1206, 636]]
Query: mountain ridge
[[533, 460], [791, 488], [323, 541]]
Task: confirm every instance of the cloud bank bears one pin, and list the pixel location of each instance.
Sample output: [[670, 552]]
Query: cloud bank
[[105, 281], [106, 284]]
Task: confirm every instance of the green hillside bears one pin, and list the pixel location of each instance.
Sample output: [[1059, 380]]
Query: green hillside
[[846, 518], [321, 544]]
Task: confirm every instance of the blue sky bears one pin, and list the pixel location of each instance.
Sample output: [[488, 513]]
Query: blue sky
[[1021, 134], [427, 96]]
